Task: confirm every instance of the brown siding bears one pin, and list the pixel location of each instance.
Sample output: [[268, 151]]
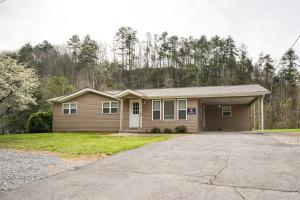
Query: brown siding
[[240, 119], [89, 115], [191, 123]]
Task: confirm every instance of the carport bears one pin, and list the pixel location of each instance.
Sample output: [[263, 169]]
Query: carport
[[241, 113]]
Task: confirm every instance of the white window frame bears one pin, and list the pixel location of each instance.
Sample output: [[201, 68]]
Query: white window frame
[[156, 110], [181, 109], [174, 109], [69, 107], [226, 111], [110, 107]]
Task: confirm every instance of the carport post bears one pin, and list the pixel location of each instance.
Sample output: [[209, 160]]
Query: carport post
[[254, 115], [262, 112]]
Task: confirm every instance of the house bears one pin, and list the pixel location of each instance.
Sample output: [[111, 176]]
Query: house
[[198, 108]]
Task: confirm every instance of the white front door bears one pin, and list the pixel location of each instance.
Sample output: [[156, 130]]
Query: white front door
[[134, 115]]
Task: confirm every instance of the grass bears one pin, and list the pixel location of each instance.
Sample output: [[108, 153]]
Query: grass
[[282, 130], [71, 145]]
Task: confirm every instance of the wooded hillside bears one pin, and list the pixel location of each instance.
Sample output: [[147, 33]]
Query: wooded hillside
[[161, 60]]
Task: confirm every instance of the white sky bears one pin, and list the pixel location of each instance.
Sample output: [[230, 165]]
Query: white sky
[[269, 26]]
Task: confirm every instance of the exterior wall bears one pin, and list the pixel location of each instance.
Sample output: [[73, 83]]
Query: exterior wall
[[191, 123], [240, 119], [125, 123], [89, 115]]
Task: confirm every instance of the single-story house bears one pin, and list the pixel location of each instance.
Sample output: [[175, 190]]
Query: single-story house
[[209, 108]]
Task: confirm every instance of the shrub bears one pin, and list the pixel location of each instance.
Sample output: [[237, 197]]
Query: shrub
[[40, 122], [180, 129], [168, 130], [155, 130]]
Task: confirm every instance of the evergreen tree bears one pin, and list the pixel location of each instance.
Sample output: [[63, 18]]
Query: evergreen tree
[[74, 44], [88, 54]]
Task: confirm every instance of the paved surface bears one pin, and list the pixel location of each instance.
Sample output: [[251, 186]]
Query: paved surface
[[208, 166]]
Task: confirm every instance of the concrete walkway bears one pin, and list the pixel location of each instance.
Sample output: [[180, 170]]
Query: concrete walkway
[[204, 166]]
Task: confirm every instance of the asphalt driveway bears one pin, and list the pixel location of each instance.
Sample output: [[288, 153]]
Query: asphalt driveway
[[203, 166]]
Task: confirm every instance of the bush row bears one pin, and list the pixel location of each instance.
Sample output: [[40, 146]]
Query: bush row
[[178, 129]]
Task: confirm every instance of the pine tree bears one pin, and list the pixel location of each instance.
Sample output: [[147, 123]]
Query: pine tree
[[88, 54], [290, 75], [74, 44]]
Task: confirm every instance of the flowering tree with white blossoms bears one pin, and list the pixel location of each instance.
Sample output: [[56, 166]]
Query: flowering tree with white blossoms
[[18, 85]]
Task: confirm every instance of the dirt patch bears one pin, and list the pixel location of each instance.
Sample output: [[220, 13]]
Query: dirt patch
[[71, 163]]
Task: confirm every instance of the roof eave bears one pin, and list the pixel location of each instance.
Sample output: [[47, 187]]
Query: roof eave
[[78, 93]]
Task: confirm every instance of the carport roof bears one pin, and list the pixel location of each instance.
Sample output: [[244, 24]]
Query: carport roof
[[209, 91]]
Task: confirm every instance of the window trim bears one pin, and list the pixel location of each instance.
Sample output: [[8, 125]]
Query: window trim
[[174, 109], [69, 108], [110, 107], [156, 110], [227, 111], [178, 109]]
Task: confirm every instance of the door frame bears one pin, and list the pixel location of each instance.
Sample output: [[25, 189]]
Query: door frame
[[130, 112]]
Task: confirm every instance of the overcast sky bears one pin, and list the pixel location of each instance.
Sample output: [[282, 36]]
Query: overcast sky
[[269, 26]]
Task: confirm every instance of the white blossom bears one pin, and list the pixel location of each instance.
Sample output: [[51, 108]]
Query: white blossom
[[18, 85]]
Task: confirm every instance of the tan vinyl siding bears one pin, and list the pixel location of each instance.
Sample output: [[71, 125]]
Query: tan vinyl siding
[[239, 121], [125, 114], [191, 123], [89, 115]]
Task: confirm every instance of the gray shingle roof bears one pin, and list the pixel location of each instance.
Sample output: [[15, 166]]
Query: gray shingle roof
[[209, 91], [186, 92]]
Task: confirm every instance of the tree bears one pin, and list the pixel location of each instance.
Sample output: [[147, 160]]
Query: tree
[[289, 64], [244, 69], [267, 70], [58, 86], [25, 54], [18, 85], [45, 57], [126, 40], [88, 54], [74, 44], [290, 76]]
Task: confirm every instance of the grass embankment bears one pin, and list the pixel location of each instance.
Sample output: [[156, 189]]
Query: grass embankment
[[71, 145]]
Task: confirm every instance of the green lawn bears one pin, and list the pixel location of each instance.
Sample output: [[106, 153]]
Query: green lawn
[[282, 130], [69, 145]]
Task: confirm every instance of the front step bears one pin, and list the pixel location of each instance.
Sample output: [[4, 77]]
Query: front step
[[132, 131]]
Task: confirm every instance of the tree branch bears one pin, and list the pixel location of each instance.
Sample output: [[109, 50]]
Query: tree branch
[[6, 97]]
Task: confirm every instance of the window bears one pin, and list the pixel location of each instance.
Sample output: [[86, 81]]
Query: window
[[135, 108], [226, 111], [109, 107], [181, 106], [114, 107], [69, 108], [169, 109], [156, 109]]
